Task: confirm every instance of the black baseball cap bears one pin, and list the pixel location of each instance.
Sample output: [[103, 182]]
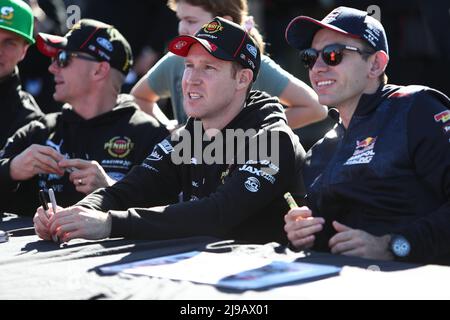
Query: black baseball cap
[[348, 21], [100, 40], [224, 40]]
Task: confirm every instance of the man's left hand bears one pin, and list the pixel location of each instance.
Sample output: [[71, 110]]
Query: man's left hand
[[87, 176], [358, 243]]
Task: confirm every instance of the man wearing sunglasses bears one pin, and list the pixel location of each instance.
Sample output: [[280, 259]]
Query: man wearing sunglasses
[[16, 34], [378, 184], [98, 136]]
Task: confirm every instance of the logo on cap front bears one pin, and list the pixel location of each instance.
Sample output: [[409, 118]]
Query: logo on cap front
[[6, 13], [213, 27], [252, 50], [332, 16], [105, 43], [180, 45]]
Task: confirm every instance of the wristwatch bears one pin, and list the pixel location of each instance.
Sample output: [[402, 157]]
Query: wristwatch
[[399, 246], [4, 236]]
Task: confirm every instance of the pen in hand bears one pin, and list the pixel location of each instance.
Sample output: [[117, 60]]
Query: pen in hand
[[291, 203], [43, 200], [290, 200], [51, 195]]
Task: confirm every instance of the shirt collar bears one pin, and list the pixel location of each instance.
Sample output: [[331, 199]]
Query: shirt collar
[[369, 102]]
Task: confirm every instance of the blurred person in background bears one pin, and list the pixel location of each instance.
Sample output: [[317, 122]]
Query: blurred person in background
[[16, 35], [148, 28]]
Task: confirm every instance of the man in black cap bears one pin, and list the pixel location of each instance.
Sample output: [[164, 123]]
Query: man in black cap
[[378, 184], [16, 35], [98, 136], [232, 181]]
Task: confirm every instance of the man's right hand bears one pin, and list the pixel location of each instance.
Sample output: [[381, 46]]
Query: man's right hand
[[42, 223], [78, 222], [300, 227], [36, 159]]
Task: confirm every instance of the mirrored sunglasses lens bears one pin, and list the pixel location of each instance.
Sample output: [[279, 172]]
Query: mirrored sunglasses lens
[[332, 55], [309, 57], [62, 59]]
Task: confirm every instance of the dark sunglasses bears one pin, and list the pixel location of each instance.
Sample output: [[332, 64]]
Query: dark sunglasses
[[63, 58], [331, 54]]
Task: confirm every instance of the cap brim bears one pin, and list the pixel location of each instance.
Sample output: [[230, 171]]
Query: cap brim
[[49, 45], [29, 39], [182, 44], [300, 31]]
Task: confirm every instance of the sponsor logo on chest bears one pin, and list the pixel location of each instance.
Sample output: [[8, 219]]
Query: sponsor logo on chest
[[119, 147], [363, 152]]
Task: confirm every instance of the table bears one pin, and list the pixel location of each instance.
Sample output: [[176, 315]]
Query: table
[[34, 269]]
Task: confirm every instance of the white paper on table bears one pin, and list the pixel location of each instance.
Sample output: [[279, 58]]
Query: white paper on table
[[224, 270]]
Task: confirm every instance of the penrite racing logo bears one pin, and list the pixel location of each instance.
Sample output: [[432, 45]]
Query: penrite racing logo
[[213, 27], [119, 147]]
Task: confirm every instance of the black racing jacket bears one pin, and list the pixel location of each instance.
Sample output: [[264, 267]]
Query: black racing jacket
[[389, 172], [240, 197], [117, 140], [17, 107]]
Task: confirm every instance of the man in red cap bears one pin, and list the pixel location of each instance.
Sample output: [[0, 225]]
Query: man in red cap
[[378, 185], [228, 190]]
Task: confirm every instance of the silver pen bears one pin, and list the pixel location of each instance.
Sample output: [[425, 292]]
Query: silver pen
[[51, 195]]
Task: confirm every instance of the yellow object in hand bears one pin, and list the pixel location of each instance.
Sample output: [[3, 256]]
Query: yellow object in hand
[[290, 200]]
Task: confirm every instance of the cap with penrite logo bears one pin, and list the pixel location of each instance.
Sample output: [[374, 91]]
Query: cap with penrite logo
[[224, 40]]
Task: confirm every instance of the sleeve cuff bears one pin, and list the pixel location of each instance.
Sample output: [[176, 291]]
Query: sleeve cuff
[[120, 224], [7, 183]]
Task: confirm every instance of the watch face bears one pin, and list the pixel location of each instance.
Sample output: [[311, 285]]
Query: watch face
[[4, 236], [400, 247]]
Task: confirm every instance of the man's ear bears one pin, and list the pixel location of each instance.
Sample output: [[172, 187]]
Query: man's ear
[[101, 70], [245, 78], [230, 18], [24, 51], [379, 63]]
